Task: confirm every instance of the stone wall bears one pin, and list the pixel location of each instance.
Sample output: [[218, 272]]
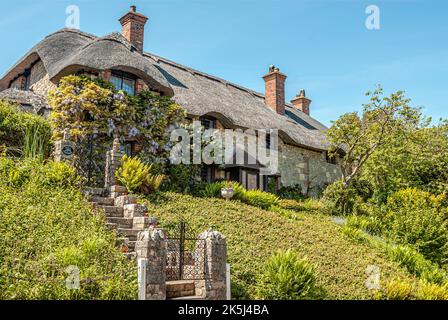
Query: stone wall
[[305, 167], [38, 72]]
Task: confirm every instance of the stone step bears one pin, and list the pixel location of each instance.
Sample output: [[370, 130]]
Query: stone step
[[111, 226], [121, 222], [99, 192], [187, 298], [131, 234], [124, 200], [134, 210], [180, 288], [112, 211], [116, 191], [103, 201]]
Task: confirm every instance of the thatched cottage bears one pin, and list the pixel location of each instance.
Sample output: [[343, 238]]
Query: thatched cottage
[[120, 59]]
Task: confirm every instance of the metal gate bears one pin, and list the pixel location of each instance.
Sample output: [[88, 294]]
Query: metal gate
[[186, 256], [91, 159]]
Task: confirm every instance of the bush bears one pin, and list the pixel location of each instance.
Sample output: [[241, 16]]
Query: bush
[[397, 290], [306, 205], [181, 178], [23, 134], [368, 224], [340, 199], [132, 173], [261, 199], [256, 198], [416, 264], [32, 170], [287, 277], [417, 218], [47, 226], [136, 175], [431, 291], [404, 290], [291, 192]]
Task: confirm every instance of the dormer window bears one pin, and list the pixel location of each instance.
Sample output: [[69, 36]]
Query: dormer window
[[208, 123], [123, 81]]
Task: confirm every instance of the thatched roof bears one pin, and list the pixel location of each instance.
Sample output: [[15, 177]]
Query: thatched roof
[[199, 93], [236, 106], [68, 49], [29, 100]]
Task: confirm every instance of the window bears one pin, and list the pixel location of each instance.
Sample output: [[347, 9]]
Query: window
[[208, 123], [268, 141], [123, 81]]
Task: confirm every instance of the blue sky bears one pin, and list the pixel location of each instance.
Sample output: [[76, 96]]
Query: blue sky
[[322, 46]]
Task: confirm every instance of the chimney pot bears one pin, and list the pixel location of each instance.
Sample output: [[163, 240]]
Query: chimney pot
[[301, 102], [133, 9]]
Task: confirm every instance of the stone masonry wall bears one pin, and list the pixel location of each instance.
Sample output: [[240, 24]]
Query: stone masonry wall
[[305, 167]]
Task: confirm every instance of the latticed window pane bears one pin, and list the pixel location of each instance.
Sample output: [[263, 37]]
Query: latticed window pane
[[117, 82], [128, 86]]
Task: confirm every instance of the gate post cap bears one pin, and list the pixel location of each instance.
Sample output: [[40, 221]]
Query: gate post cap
[[212, 234], [155, 234]]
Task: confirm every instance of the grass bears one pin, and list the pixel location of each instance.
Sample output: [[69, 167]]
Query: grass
[[253, 235], [46, 226]]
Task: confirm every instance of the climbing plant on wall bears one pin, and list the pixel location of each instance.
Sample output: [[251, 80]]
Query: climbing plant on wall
[[82, 106]]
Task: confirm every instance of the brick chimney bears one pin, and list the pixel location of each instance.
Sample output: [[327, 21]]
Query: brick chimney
[[301, 102], [133, 24], [275, 90]]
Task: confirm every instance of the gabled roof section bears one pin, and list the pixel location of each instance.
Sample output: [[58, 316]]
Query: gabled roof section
[[68, 49]]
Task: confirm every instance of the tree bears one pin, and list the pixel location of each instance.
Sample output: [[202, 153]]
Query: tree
[[417, 160], [358, 138]]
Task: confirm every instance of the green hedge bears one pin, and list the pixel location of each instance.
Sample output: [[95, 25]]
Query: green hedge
[[46, 226]]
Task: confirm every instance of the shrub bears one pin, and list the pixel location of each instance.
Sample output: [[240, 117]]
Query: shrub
[[355, 234], [416, 264], [368, 224], [136, 175], [404, 290], [181, 178], [287, 277], [261, 199], [340, 199], [132, 173], [23, 133], [291, 192], [431, 291], [306, 205], [397, 290], [152, 183], [46, 226], [213, 190], [417, 218]]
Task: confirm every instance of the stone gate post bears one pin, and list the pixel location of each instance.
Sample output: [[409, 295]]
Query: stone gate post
[[214, 285], [64, 150], [113, 162], [151, 246]]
